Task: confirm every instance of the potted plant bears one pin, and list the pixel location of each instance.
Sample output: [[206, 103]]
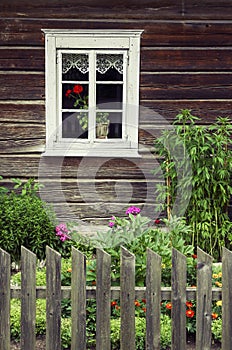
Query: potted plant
[[102, 118]]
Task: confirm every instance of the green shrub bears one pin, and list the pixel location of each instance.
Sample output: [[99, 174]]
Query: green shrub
[[26, 220], [140, 328]]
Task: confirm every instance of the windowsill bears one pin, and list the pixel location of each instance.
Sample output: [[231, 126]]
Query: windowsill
[[112, 153]]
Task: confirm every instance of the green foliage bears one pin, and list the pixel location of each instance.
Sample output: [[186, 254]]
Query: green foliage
[[140, 327], [217, 329], [206, 152], [26, 220]]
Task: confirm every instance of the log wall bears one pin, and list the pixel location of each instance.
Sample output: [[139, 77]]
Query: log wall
[[186, 51]]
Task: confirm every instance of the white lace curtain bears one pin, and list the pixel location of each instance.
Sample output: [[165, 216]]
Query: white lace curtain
[[81, 62]]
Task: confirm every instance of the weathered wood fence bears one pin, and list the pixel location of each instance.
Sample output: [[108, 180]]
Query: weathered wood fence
[[104, 293]]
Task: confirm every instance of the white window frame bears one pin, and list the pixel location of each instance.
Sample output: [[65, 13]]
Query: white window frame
[[119, 41]]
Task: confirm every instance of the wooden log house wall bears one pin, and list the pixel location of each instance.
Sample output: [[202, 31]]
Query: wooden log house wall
[[186, 50]]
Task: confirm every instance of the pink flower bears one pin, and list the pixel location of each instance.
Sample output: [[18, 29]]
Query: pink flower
[[133, 210], [62, 232]]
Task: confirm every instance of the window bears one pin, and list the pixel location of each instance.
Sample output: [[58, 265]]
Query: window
[[92, 92]]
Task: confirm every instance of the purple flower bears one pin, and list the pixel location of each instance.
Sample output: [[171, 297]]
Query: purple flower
[[112, 222], [61, 227], [133, 210], [62, 232]]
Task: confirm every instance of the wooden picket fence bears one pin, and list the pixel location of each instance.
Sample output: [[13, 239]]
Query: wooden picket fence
[[103, 292]]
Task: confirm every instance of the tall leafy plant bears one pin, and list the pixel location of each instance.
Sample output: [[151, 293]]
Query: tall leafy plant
[[209, 153]]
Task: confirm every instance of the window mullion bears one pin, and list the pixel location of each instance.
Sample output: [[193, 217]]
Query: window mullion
[[92, 95]]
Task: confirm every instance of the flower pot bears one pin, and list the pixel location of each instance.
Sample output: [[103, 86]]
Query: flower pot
[[102, 130]]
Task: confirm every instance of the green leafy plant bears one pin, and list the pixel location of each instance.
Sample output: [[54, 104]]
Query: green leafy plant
[[26, 220], [140, 327], [208, 152]]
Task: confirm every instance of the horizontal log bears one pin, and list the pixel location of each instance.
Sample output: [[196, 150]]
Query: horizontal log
[[28, 86], [25, 31], [55, 168], [186, 59], [22, 112], [21, 131], [95, 191], [20, 146], [117, 9], [30, 59], [161, 111], [186, 86]]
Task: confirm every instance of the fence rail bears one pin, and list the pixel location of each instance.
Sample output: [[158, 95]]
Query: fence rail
[[103, 292]]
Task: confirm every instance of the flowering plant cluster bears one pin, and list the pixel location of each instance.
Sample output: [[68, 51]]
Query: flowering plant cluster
[[81, 102], [62, 232]]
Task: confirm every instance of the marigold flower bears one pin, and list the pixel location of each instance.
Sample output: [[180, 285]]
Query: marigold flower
[[113, 303], [69, 270], [137, 303], [215, 275], [190, 313], [219, 303], [194, 256], [117, 307], [189, 304], [219, 274], [214, 316], [168, 306], [144, 309], [144, 301], [219, 284]]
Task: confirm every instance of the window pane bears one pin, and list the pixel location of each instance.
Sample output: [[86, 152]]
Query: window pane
[[109, 67], [110, 94], [75, 125], [75, 67], [108, 125], [75, 96]]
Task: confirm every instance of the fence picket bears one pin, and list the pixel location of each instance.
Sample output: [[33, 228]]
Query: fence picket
[[103, 297], [179, 279], [5, 262], [226, 300], [127, 298], [204, 300], [53, 297], [28, 299], [153, 300], [78, 300]]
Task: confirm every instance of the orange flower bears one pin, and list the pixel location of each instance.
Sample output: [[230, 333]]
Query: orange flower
[[137, 303], [190, 313], [168, 306], [113, 303], [69, 270], [117, 307], [94, 283], [214, 316], [144, 309], [189, 304], [144, 301], [218, 284]]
